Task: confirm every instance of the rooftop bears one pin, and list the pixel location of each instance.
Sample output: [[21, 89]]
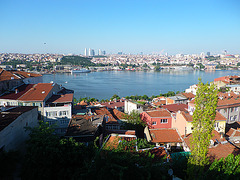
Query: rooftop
[[159, 113], [175, 107], [12, 113], [167, 135]]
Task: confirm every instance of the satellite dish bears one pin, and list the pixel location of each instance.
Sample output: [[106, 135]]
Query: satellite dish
[[170, 172]]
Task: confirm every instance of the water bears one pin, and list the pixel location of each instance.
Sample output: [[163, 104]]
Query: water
[[102, 85]]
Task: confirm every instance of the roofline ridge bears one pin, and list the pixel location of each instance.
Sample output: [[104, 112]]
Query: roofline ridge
[[26, 92]]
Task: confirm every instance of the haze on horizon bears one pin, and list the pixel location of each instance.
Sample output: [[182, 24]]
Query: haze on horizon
[[69, 26]]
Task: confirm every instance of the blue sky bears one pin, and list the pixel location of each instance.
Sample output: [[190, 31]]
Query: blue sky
[[131, 26]]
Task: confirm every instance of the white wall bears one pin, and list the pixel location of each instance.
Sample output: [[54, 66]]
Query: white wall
[[15, 135]]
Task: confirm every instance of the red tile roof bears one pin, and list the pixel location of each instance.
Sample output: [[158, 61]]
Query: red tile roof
[[114, 140], [164, 135], [9, 75], [118, 114], [159, 113], [113, 104], [175, 107], [38, 92], [218, 151], [188, 95], [188, 117], [126, 132], [20, 91], [64, 98], [104, 111]]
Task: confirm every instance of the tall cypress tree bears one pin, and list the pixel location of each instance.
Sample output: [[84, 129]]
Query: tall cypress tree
[[203, 124]]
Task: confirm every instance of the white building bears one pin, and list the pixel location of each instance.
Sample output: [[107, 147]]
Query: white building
[[12, 126]]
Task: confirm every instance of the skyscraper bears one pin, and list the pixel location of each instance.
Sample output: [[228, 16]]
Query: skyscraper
[[99, 52], [85, 52], [89, 52]]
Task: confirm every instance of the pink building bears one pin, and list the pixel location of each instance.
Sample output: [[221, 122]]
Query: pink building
[[157, 119]]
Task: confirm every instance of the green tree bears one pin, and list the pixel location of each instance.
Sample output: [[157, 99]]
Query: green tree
[[115, 96], [134, 121], [203, 124], [50, 157]]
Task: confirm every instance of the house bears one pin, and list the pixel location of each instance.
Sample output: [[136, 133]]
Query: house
[[54, 102], [192, 89], [228, 105], [183, 122], [168, 137], [85, 128], [210, 67], [173, 108], [234, 88], [12, 79], [157, 118], [119, 105], [219, 147], [111, 122], [129, 106], [176, 100], [229, 79], [13, 121], [188, 95]]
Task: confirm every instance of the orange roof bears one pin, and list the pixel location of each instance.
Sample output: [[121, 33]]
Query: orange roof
[[115, 139], [218, 151], [159, 113], [188, 95], [175, 107], [9, 75], [164, 135], [118, 114], [64, 98], [38, 93], [104, 111], [188, 117]]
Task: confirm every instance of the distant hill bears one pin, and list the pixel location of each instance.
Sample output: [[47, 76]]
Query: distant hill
[[77, 60]]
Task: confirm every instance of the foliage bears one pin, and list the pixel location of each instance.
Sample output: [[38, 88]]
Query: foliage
[[169, 94], [133, 120], [49, 157], [77, 61], [203, 124], [143, 144], [201, 66], [228, 168], [8, 161], [115, 96], [141, 102]]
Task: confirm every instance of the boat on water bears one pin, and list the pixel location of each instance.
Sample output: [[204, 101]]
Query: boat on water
[[82, 70]]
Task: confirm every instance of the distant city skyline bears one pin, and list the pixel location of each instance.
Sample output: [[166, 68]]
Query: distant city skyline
[[135, 27]]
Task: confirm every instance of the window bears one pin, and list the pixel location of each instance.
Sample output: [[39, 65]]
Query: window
[[154, 123], [51, 114], [192, 128], [233, 118], [64, 121], [164, 121], [235, 109], [63, 113], [216, 124]]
